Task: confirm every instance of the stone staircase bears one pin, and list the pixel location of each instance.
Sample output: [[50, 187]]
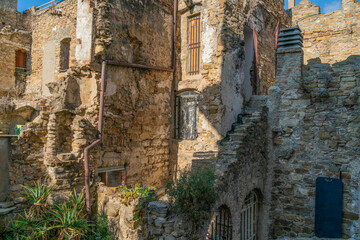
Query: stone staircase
[[247, 125], [6, 207]]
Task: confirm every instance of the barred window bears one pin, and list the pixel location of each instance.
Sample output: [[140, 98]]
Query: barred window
[[186, 107], [249, 217], [221, 225], [194, 44]]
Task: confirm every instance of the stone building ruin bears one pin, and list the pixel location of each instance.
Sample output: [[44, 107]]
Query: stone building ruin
[[182, 83]]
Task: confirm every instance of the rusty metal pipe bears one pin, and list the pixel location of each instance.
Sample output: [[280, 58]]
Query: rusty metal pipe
[[96, 142], [134, 65]]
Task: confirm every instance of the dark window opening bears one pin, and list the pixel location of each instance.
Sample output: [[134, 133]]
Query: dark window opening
[[20, 61], [194, 44], [220, 227], [112, 176], [186, 107], [65, 54]]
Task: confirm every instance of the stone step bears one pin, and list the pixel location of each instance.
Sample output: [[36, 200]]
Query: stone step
[[241, 128], [237, 136], [4, 211], [6, 204]]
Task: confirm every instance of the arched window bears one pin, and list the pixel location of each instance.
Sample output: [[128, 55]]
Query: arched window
[[249, 217], [186, 107], [220, 227], [65, 54]]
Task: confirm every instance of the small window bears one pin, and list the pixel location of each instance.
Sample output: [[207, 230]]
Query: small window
[[221, 225], [249, 217], [194, 44], [20, 61], [64, 54], [186, 107], [112, 176]]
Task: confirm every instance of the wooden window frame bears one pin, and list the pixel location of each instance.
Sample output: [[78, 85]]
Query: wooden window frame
[[194, 43]]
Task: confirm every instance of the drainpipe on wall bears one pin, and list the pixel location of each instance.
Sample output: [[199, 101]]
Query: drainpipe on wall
[[96, 142], [101, 108]]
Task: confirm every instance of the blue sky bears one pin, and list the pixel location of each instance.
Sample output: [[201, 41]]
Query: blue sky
[[325, 5], [25, 4]]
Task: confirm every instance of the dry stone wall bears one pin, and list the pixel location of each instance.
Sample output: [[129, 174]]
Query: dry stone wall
[[330, 37], [158, 222], [316, 134]]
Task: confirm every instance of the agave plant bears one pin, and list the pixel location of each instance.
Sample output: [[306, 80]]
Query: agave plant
[[38, 195], [28, 227], [69, 218]]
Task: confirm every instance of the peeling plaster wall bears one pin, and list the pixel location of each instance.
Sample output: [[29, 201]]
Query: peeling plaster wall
[[48, 29], [84, 32]]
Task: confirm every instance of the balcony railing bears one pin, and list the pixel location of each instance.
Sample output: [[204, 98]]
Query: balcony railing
[[52, 3]]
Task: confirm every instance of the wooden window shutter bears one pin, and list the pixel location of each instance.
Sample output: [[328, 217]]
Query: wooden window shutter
[[20, 59], [194, 44]]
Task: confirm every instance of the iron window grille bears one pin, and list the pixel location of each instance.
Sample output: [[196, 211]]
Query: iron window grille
[[186, 112], [194, 44], [221, 225], [249, 217]]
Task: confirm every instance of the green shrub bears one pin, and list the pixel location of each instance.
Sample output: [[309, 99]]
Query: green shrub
[[145, 194], [101, 230], [193, 193]]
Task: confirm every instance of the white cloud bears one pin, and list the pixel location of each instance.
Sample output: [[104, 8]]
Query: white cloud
[[332, 6]]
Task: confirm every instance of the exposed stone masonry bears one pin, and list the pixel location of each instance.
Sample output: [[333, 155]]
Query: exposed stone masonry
[[329, 37]]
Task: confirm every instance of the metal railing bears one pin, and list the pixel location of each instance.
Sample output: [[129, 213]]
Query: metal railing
[[52, 3]]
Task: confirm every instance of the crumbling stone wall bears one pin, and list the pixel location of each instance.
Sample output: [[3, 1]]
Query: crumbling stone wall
[[13, 36], [137, 101], [49, 27], [330, 37], [243, 166], [158, 222], [316, 134]]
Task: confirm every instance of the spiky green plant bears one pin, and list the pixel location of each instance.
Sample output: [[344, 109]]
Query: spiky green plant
[[39, 193], [69, 218], [30, 227]]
